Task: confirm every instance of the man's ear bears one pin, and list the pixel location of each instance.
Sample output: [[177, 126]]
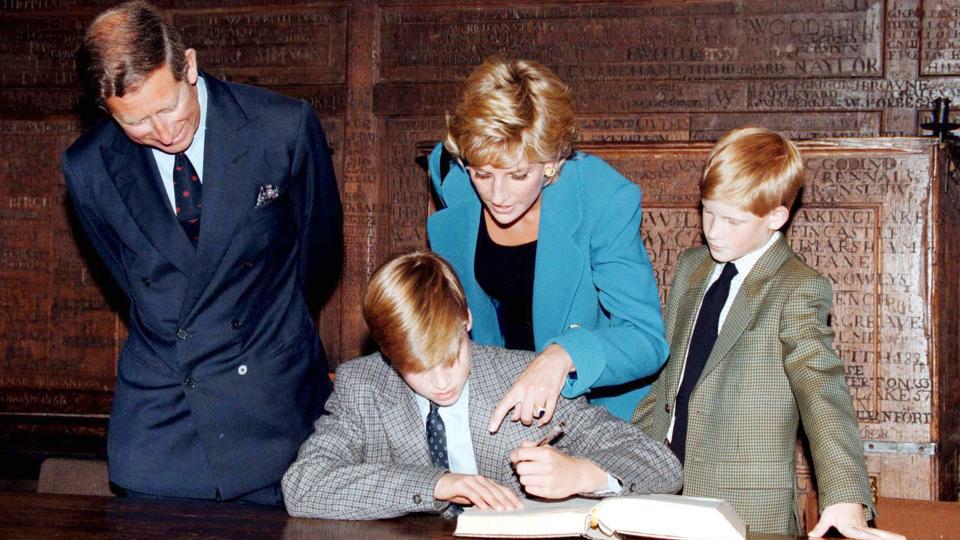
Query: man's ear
[[777, 217], [469, 320], [193, 72]]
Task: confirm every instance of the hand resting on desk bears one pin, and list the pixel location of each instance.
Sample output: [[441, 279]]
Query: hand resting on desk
[[477, 490]]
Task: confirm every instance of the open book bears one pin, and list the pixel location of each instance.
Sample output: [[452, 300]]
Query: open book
[[656, 516]]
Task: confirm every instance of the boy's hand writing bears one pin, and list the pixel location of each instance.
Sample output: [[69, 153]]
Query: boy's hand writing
[[547, 472], [477, 490]]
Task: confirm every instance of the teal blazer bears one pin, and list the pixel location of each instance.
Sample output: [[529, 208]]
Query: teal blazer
[[593, 290]]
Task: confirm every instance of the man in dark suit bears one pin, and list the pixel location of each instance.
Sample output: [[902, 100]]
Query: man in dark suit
[[214, 206]]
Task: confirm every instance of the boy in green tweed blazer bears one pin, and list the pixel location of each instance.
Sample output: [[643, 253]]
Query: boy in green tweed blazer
[[751, 354]]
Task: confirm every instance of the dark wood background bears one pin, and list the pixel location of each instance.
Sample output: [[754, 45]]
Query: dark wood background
[[381, 75]]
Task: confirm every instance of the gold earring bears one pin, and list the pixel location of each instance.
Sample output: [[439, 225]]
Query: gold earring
[[549, 171]]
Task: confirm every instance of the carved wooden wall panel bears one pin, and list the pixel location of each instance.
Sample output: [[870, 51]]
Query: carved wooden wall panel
[[381, 75]]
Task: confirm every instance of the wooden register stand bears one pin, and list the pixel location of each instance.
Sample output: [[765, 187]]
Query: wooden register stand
[[880, 218]]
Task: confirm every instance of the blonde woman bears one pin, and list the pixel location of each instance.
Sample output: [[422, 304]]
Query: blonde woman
[[546, 241]]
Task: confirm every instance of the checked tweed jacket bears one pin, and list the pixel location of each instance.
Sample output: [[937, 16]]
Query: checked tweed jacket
[[368, 458], [773, 366]]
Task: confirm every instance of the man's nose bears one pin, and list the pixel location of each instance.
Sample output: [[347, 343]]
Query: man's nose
[[161, 131]]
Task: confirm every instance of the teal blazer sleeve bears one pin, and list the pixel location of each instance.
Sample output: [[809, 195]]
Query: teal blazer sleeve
[[594, 290]]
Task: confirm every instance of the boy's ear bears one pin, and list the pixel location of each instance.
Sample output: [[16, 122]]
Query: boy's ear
[[777, 218], [469, 320]]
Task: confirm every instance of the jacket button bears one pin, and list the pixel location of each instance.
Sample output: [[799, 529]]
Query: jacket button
[[632, 488], [190, 382], [146, 282], [666, 407], [235, 324], [182, 334], [248, 263], [417, 499], [242, 370]]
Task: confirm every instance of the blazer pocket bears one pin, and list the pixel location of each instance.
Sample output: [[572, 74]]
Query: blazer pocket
[[132, 352], [756, 475], [269, 210]]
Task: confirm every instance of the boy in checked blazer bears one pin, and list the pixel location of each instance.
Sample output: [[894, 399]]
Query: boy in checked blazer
[[751, 354], [407, 429]]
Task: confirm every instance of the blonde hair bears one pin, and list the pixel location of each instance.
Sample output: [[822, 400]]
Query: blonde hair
[[754, 169], [510, 109], [416, 311]]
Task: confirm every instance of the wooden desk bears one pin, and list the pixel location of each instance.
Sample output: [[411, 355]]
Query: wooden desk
[[30, 516]]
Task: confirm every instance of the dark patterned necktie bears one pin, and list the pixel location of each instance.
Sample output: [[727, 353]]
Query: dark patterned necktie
[[437, 445], [701, 345], [437, 438], [188, 193]]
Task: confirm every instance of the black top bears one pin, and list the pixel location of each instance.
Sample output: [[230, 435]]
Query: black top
[[506, 274]]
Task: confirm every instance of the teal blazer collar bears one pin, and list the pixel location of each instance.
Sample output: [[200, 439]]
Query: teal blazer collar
[[455, 236]]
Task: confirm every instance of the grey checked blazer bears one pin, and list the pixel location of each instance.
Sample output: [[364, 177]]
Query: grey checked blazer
[[772, 366], [368, 458]]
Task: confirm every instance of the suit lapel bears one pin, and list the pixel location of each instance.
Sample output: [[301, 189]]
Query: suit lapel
[[229, 190], [134, 172], [489, 449], [404, 427], [686, 318], [747, 302], [560, 216]]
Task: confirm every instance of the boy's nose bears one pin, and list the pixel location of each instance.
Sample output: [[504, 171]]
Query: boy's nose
[[441, 380]]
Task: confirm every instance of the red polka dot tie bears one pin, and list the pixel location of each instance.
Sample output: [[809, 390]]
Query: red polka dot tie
[[188, 192]]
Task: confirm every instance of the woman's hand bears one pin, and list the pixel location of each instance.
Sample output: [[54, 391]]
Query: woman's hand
[[535, 394]]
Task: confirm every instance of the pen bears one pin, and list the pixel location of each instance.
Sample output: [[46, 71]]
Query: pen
[[552, 434]]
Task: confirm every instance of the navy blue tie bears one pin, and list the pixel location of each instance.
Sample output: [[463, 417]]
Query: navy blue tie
[[701, 345], [437, 438], [187, 191], [437, 445]]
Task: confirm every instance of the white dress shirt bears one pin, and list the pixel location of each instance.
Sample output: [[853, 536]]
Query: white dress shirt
[[744, 265], [456, 424], [194, 152]]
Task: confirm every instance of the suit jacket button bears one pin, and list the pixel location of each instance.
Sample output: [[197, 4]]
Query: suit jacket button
[[242, 370], [248, 263], [182, 334], [666, 407], [235, 324], [190, 382], [417, 499], [146, 282], [632, 488]]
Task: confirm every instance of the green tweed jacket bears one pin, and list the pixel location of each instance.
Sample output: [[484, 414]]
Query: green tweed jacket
[[773, 365]]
